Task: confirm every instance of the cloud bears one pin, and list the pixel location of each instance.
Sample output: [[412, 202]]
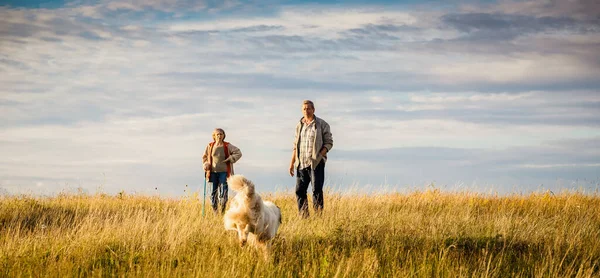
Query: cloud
[[125, 95], [258, 28], [454, 166], [107, 8], [317, 21], [258, 81], [484, 26], [579, 9], [524, 109]]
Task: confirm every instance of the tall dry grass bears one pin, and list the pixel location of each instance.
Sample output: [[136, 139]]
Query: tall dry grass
[[421, 234]]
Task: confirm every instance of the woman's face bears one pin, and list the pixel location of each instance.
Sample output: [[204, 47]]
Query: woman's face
[[218, 136]]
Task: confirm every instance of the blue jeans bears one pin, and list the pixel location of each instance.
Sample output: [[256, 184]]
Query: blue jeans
[[219, 181]]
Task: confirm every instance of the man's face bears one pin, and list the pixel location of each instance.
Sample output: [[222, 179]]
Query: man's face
[[308, 110]]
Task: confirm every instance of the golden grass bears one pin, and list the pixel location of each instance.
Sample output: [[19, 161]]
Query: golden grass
[[421, 234]]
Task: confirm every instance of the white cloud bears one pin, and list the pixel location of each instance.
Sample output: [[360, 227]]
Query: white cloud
[[131, 28], [570, 165], [473, 97], [138, 104], [529, 68], [114, 5], [318, 22], [574, 8], [92, 11]]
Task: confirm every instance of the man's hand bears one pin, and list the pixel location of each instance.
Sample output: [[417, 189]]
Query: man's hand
[[323, 151], [292, 170], [206, 167]]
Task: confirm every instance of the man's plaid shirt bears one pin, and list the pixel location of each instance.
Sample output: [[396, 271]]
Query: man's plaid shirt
[[307, 139]]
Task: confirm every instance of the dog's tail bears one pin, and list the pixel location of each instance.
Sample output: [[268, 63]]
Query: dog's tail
[[240, 183]]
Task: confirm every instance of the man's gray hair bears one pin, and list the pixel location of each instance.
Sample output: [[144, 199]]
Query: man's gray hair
[[312, 105]]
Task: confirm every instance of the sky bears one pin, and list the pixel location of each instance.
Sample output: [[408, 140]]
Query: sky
[[494, 97]]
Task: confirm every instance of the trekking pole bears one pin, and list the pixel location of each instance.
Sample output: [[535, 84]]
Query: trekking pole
[[204, 198]]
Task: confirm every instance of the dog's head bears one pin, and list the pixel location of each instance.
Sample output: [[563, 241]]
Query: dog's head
[[243, 229]]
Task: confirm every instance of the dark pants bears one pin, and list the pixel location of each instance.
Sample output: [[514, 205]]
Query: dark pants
[[219, 181], [303, 178]]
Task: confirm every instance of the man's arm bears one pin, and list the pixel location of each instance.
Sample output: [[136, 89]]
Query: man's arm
[[294, 152], [327, 139], [293, 162]]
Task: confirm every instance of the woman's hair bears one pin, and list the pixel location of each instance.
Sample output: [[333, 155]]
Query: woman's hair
[[216, 131]]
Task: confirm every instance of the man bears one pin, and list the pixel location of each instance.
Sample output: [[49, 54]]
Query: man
[[218, 160], [312, 141]]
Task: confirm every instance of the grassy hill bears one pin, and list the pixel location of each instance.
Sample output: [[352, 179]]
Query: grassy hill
[[421, 234]]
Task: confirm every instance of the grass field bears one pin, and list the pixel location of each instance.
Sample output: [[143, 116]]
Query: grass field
[[419, 234]]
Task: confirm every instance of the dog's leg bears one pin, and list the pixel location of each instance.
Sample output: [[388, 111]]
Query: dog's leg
[[265, 247]]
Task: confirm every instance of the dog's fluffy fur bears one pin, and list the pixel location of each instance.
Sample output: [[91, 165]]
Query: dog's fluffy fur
[[256, 221]]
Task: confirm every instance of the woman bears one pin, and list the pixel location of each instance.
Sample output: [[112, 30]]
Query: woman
[[218, 160]]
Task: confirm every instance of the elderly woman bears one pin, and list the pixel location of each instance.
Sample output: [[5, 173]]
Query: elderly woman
[[218, 160]]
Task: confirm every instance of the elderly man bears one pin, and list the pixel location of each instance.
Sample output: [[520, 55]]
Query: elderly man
[[312, 141]]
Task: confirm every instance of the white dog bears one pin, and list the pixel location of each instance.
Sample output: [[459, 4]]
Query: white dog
[[254, 220]]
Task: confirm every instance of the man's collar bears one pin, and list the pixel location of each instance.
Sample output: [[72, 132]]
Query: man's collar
[[304, 120], [314, 118]]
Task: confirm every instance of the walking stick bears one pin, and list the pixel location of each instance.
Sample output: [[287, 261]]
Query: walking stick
[[204, 198]]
